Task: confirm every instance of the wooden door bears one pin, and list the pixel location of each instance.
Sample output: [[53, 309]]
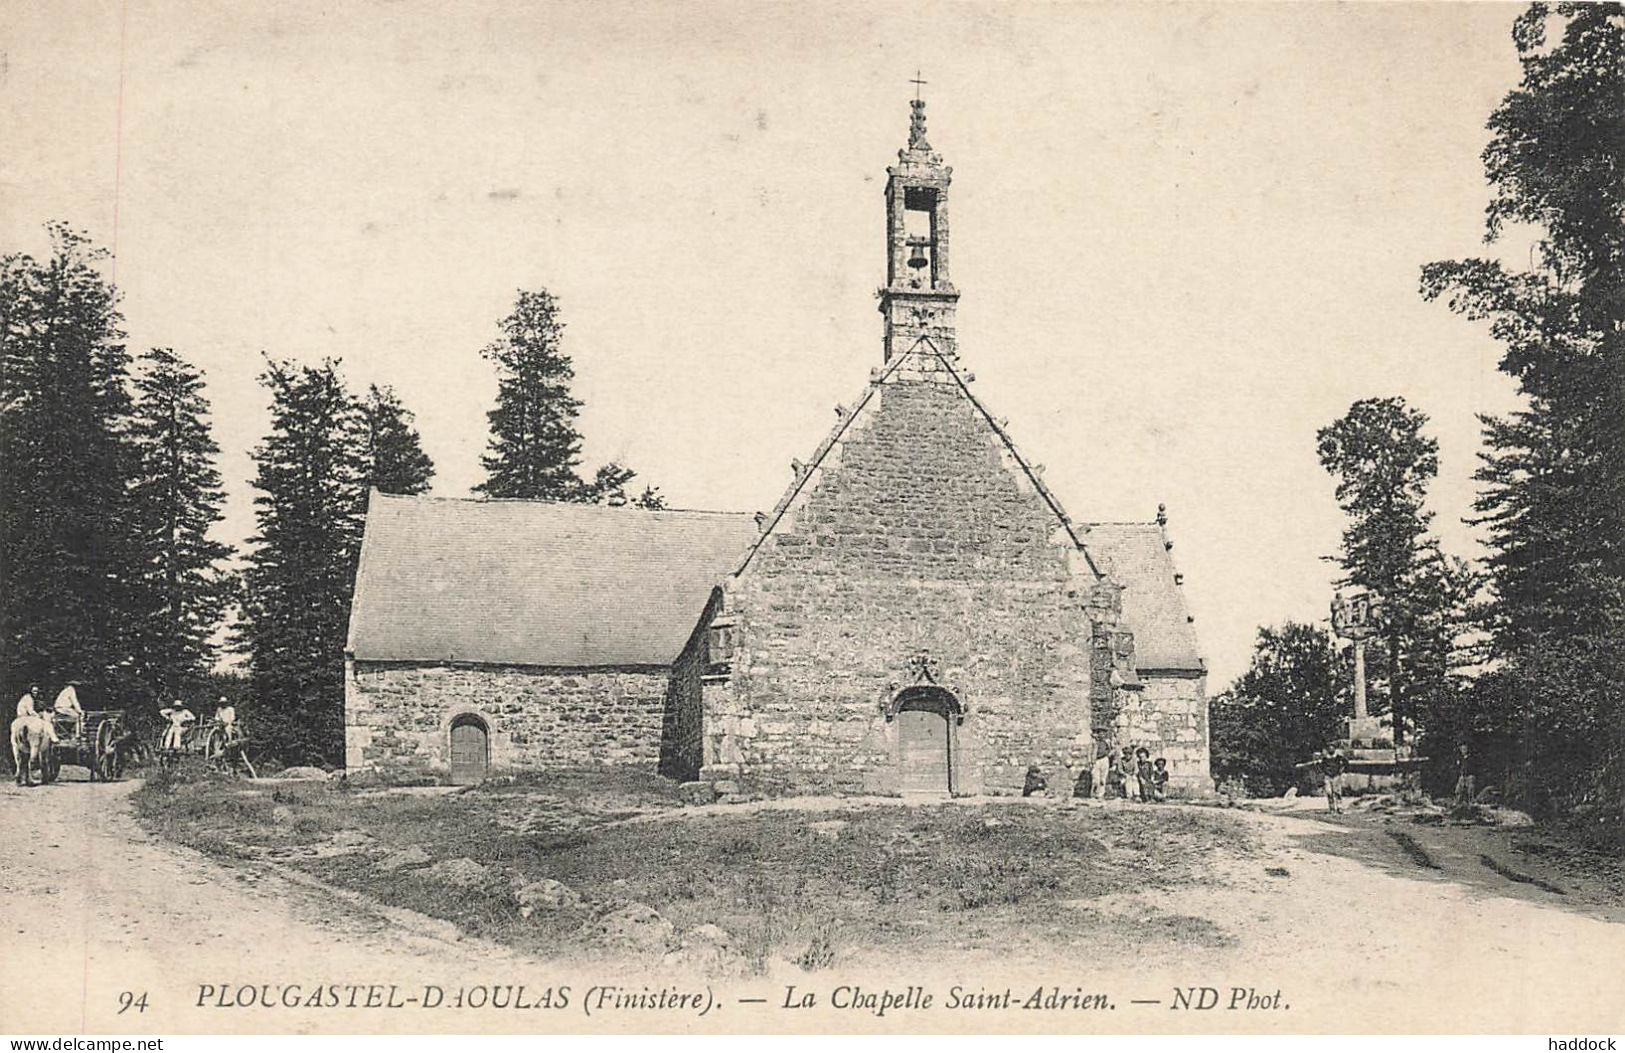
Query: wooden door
[[469, 752], [923, 748]]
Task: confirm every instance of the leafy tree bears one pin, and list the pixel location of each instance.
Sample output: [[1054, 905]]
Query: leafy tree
[[1383, 464], [394, 459], [177, 498], [1289, 703], [67, 548], [301, 568], [534, 448], [1552, 481]]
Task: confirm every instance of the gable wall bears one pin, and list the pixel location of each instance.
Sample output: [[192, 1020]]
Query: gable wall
[[919, 530]]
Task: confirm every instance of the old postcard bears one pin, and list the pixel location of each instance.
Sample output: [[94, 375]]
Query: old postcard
[[831, 518]]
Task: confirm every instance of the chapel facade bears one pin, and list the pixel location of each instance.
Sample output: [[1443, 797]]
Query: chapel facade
[[917, 615]]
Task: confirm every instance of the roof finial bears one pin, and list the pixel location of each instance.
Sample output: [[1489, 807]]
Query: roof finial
[[916, 121]]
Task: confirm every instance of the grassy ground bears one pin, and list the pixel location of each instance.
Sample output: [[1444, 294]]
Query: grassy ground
[[810, 885]]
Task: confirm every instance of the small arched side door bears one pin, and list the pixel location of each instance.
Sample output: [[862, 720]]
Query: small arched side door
[[470, 750]]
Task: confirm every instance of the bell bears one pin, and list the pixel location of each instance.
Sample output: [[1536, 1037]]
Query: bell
[[918, 260]]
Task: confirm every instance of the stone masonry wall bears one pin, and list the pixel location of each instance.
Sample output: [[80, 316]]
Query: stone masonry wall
[[919, 531], [1169, 718], [681, 746], [398, 715]]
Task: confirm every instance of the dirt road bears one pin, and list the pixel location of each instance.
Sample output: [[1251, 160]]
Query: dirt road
[[1354, 933], [96, 907]]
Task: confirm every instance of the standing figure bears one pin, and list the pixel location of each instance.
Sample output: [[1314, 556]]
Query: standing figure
[[1465, 788], [1332, 766], [1143, 773], [1100, 774], [1129, 774], [1159, 780]]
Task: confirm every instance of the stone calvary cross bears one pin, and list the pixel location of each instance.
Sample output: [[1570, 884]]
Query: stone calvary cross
[[1357, 619]]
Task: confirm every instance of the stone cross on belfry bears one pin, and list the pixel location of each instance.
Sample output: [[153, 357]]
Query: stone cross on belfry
[[916, 121]]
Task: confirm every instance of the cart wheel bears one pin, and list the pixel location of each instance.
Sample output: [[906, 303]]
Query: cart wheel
[[102, 763]]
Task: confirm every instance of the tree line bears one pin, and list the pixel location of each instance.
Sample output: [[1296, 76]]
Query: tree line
[[1523, 658], [111, 568]]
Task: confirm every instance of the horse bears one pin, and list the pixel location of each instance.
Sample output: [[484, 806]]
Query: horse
[[31, 737]]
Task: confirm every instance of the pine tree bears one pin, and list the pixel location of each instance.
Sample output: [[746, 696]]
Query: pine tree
[[182, 592], [1553, 475], [301, 568], [67, 548], [609, 488], [535, 449], [394, 459]]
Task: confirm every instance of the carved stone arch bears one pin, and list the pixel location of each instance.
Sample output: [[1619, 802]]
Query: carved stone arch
[[927, 719]]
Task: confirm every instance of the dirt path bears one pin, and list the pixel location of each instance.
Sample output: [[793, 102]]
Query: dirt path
[[1362, 938], [99, 907], [1354, 934]]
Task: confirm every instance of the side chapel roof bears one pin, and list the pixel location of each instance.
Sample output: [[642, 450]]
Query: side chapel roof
[[535, 582], [1136, 557]]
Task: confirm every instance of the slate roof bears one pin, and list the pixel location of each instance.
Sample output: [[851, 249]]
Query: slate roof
[[536, 582], [1134, 556]]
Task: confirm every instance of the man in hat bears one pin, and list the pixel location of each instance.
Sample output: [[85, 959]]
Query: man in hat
[[1332, 766], [67, 707], [26, 707], [179, 718]]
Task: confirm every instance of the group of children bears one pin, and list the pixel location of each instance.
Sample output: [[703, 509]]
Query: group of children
[[1130, 775]]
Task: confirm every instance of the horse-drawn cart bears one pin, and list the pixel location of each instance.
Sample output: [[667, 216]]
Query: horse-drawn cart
[[99, 745], [221, 745]]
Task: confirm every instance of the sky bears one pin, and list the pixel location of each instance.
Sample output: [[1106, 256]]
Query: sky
[[1186, 235]]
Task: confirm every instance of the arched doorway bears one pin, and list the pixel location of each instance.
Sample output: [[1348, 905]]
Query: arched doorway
[[470, 750], [925, 740]]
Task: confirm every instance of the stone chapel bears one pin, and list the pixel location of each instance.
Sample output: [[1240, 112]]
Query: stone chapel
[[917, 614]]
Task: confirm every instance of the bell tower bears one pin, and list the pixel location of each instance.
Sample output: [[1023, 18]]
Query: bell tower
[[918, 299]]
